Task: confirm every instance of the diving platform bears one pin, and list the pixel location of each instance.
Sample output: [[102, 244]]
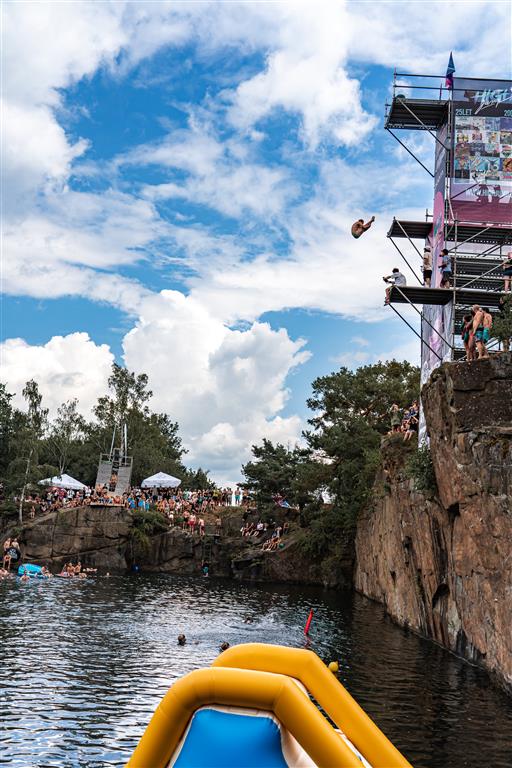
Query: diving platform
[[483, 233], [405, 113], [412, 294]]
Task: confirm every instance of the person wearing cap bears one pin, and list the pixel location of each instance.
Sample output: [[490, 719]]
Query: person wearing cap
[[395, 278], [427, 266]]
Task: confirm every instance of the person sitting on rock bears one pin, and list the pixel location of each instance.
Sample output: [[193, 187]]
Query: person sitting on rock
[[412, 427], [359, 227]]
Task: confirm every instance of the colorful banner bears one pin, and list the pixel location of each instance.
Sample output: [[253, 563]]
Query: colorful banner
[[481, 174], [436, 333], [438, 212]]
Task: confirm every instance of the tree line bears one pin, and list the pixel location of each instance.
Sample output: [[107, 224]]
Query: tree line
[[340, 454], [33, 446]]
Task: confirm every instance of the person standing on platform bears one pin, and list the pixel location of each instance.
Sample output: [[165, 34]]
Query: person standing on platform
[[446, 269], [427, 266], [395, 278], [359, 227], [507, 271]]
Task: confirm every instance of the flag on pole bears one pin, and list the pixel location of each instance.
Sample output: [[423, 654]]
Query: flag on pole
[[449, 72]]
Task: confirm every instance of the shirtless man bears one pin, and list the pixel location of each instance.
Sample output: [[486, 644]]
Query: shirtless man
[[482, 322], [427, 266], [359, 227]]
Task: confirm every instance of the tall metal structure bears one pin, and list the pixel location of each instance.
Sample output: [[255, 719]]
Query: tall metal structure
[[471, 130], [115, 468]]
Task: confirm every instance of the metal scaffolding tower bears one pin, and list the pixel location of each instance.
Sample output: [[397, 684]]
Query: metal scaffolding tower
[[472, 216]]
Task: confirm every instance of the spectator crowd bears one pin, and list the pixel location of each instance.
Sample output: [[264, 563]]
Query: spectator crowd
[[405, 421]]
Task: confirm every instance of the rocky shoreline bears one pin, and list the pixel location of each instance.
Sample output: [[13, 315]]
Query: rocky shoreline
[[103, 537]]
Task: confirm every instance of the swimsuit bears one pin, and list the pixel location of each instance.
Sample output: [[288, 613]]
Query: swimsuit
[[482, 334]]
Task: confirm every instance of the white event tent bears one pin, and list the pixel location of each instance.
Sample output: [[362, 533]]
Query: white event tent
[[64, 481], [160, 480]]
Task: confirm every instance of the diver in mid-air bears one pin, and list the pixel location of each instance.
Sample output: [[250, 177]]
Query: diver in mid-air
[[358, 227]]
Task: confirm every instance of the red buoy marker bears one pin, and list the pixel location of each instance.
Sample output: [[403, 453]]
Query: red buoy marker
[[308, 622]]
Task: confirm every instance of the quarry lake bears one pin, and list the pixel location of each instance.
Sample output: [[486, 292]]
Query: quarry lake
[[85, 663]]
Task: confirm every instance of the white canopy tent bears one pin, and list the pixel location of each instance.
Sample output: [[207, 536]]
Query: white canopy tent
[[160, 480], [64, 481]]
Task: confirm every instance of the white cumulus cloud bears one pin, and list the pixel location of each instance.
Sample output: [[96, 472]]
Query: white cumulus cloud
[[65, 367]]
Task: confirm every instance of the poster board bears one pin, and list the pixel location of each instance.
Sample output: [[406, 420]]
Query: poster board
[[481, 167]]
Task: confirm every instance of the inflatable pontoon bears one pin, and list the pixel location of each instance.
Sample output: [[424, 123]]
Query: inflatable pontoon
[[253, 709]]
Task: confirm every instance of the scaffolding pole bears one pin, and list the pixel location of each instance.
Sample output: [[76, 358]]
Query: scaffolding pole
[[423, 317], [416, 332], [402, 102], [409, 151], [403, 257]]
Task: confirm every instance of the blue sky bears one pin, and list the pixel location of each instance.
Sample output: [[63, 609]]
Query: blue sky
[[180, 180]]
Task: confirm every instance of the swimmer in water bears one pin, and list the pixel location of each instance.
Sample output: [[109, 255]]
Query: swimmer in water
[[223, 646], [25, 577], [248, 620], [182, 639]]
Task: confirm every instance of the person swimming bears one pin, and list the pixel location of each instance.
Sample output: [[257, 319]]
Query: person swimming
[[182, 639], [223, 646]]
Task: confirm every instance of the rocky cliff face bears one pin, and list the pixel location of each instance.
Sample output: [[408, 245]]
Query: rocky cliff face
[[442, 563], [102, 537]]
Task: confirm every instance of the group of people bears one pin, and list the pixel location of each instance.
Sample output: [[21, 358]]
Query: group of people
[[476, 332], [11, 554], [69, 571], [270, 534], [173, 503], [406, 421], [53, 499]]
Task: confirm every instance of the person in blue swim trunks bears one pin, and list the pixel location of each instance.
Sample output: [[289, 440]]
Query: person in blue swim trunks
[[482, 324]]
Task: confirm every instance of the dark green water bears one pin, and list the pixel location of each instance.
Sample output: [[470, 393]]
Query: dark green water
[[84, 665]]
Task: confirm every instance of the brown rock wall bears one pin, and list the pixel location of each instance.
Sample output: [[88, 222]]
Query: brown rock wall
[[443, 564]]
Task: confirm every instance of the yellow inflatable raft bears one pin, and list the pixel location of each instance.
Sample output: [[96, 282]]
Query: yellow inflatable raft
[[253, 709]]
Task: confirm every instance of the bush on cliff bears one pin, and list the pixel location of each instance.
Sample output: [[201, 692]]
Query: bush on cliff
[[420, 468], [144, 525]]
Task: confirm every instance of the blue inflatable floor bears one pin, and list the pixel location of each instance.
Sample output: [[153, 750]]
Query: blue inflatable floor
[[224, 740]]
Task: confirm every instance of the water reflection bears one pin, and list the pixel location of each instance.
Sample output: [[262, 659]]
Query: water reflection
[[85, 663]]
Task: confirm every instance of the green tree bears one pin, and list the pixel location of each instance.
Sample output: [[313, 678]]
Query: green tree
[[25, 468], [502, 324], [65, 431], [7, 429], [129, 393], [351, 413], [197, 480], [275, 469]]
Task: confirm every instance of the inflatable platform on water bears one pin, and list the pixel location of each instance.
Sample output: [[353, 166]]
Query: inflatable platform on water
[[253, 709], [30, 569]]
